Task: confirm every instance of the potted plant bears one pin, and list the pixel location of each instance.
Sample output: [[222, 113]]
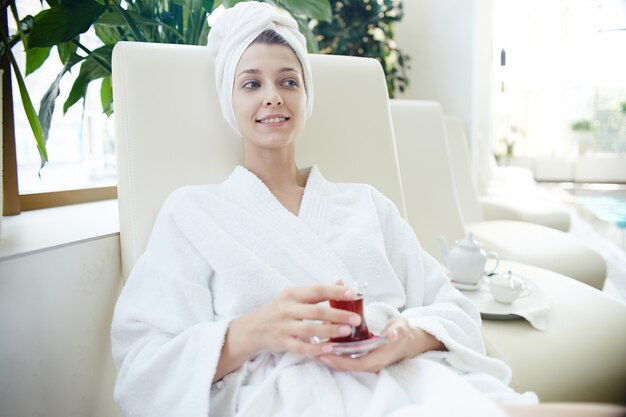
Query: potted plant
[[582, 135], [366, 28]]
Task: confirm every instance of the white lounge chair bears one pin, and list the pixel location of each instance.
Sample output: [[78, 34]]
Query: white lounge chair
[[433, 206], [585, 336], [523, 205]]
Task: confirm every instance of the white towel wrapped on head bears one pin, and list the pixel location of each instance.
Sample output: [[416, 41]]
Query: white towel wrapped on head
[[231, 35]]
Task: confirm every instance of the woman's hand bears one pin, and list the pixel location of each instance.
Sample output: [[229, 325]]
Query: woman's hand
[[288, 322], [403, 342]]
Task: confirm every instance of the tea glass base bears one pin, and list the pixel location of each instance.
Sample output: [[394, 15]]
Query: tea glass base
[[355, 349]]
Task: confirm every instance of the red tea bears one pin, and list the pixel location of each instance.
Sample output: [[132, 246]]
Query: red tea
[[359, 332]]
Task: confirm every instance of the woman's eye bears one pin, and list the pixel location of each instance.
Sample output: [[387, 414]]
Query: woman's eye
[[251, 84], [290, 83]]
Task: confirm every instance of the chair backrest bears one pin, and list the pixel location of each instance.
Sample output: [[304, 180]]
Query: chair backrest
[[460, 159], [485, 164], [429, 190], [170, 130]]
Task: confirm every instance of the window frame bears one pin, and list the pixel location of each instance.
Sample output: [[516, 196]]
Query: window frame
[[14, 202]]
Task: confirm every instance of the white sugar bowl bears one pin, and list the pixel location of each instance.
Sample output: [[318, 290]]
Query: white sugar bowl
[[506, 287]]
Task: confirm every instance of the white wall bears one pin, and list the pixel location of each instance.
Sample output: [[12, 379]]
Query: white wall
[[55, 314], [450, 44], [438, 36]]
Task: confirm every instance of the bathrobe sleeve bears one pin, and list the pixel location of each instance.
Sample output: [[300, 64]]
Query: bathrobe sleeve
[[432, 303], [166, 342]]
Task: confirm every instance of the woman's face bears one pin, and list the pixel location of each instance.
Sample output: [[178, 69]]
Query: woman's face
[[269, 99]]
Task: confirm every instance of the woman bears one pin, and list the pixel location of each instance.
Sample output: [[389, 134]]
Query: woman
[[218, 315]]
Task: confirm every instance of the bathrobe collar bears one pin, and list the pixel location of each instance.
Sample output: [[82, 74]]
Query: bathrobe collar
[[314, 204], [307, 229]]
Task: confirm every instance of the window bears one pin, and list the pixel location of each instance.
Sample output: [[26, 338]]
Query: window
[[562, 92], [81, 145]]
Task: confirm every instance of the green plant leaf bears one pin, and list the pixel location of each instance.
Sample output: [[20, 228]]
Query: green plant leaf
[[11, 4], [113, 17], [29, 109], [35, 57], [102, 55], [311, 42], [65, 50], [582, 126], [208, 5], [89, 70], [315, 9], [31, 115], [137, 32], [106, 96], [108, 35], [73, 60], [105, 52], [190, 4], [63, 22], [46, 107], [204, 32]]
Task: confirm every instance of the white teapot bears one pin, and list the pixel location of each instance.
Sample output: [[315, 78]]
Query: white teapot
[[466, 260]]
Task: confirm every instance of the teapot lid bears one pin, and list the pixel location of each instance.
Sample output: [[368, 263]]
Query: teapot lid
[[469, 242]]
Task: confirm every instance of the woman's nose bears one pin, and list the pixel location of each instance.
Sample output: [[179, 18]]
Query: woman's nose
[[273, 99]]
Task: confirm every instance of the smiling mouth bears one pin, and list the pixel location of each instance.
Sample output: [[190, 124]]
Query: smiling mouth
[[272, 120]]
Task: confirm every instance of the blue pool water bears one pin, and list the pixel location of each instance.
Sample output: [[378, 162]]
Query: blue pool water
[[609, 206]]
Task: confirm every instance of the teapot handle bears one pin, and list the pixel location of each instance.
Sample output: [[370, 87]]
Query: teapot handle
[[495, 256]]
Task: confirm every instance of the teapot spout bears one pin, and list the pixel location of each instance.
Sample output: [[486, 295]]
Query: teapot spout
[[444, 248]]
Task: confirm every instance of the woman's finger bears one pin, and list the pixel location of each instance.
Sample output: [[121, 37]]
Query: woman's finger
[[305, 348], [396, 329], [322, 312], [396, 333], [306, 330], [317, 293]]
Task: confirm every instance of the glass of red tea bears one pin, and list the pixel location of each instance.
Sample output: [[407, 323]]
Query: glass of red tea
[[359, 332]]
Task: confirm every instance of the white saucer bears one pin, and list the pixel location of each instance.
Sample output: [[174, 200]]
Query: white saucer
[[492, 310], [354, 349], [357, 349], [467, 287]]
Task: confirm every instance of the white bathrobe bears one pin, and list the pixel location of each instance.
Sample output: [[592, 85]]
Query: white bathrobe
[[219, 251]]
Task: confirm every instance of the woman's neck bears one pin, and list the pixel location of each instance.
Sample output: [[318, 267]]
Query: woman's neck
[[278, 172]]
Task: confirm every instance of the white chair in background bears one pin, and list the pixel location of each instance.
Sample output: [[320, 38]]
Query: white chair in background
[[580, 357], [520, 205], [433, 205], [492, 179]]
